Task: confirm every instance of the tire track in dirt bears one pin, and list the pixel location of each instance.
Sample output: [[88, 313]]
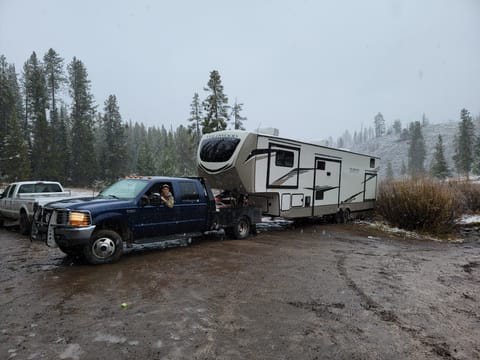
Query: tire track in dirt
[[438, 346]]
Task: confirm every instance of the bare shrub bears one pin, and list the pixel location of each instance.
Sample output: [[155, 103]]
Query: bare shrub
[[420, 204], [471, 194]]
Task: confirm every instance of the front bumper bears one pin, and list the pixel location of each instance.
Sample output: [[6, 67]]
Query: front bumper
[[47, 229]]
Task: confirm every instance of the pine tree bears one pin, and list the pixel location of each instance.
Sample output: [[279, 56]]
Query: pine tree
[[476, 157], [238, 119], [464, 144], [186, 159], [215, 105], [84, 166], [439, 166], [397, 127], [379, 125], [15, 160], [146, 160], [36, 105], [55, 79], [63, 144], [114, 145], [7, 101], [195, 118], [416, 150]]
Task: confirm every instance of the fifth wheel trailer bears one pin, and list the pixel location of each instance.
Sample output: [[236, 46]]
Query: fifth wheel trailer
[[286, 177]]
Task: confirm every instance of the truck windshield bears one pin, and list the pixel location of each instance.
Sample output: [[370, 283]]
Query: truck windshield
[[125, 189], [218, 150]]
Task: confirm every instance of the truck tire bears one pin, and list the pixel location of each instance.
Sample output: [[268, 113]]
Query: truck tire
[[105, 247], [25, 225], [241, 228]]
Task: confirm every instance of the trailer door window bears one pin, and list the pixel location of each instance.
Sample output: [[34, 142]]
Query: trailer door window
[[284, 158], [320, 165], [218, 149]]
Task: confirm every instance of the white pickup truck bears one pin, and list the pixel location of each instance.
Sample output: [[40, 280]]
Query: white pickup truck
[[19, 201]]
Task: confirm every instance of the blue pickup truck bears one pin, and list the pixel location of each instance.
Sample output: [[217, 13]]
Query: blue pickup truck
[[131, 212]]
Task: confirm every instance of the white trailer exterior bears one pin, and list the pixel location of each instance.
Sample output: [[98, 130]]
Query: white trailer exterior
[[286, 177]]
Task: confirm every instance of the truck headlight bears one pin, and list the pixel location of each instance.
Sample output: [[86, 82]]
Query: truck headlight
[[79, 219]]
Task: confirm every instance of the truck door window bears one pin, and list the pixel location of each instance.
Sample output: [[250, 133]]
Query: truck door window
[[5, 192], [12, 191], [189, 191]]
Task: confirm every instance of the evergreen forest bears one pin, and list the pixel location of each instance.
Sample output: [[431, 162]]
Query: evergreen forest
[[51, 127]]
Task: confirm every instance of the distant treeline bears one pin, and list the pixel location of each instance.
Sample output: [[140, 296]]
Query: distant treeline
[[46, 135]]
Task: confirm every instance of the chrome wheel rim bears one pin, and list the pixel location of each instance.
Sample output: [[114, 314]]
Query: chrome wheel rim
[[103, 248]]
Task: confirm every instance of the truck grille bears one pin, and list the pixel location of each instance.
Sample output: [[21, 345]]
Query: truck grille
[[45, 215]]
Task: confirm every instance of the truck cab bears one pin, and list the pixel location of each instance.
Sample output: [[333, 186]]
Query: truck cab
[[132, 211]]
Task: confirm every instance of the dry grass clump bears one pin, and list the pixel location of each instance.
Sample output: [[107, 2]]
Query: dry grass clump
[[420, 204], [471, 194]]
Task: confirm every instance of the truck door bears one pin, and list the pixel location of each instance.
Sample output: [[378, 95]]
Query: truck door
[[326, 183], [154, 218], [7, 201], [191, 207]]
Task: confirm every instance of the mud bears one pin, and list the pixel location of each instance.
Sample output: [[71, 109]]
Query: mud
[[314, 292]]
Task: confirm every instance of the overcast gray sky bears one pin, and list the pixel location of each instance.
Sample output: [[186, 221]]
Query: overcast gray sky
[[312, 69]]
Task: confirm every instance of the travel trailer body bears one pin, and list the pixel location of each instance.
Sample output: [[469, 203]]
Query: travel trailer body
[[286, 177]]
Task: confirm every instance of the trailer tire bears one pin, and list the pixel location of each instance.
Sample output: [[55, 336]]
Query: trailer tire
[[342, 216], [25, 225], [105, 246], [241, 228]]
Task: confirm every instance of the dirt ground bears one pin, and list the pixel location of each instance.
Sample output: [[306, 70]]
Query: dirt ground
[[312, 292]]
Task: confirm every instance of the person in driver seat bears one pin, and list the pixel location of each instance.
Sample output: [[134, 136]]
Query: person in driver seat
[[167, 196]]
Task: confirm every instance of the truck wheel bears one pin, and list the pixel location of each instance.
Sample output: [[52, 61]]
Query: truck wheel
[[25, 224], [105, 247], [241, 228]]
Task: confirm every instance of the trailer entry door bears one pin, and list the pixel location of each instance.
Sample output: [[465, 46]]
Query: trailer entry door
[[370, 186], [326, 187]]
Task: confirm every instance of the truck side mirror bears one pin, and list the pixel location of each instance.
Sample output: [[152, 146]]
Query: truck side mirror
[[155, 199]]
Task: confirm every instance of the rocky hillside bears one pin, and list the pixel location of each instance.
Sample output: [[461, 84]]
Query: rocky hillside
[[391, 148]]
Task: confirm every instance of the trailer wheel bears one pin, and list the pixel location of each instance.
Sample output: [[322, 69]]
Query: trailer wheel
[[342, 216], [105, 247], [25, 224], [241, 228]]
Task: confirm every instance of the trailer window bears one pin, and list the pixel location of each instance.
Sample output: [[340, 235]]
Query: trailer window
[[218, 150], [284, 158], [319, 195], [372, 162], [320, 165]]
